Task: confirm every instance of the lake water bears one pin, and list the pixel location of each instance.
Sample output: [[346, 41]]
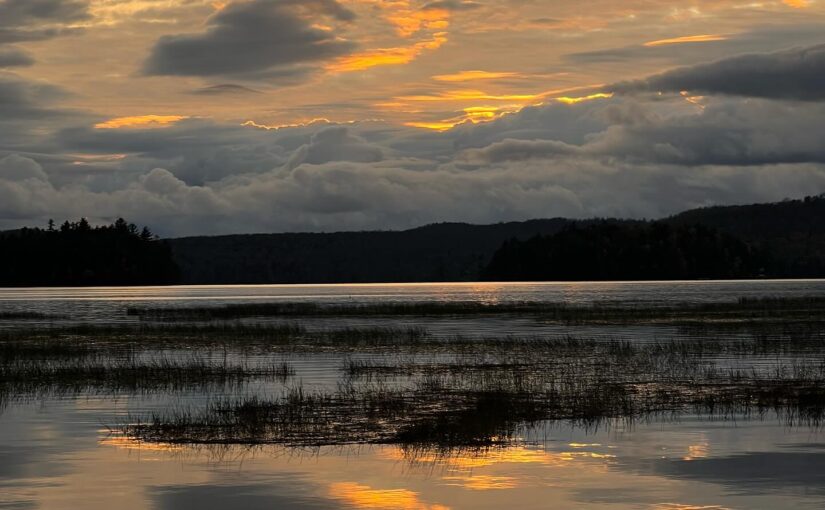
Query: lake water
[[57, 453]]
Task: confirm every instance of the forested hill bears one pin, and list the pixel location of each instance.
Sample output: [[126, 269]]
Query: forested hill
[[785, 239], [78, 254], [441, 252], [792, 232]]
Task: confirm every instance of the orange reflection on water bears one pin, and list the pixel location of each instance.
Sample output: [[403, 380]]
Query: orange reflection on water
[[128, 443], [697, 451], [482, 482], [516, 455], [677, 506], [363, 496]]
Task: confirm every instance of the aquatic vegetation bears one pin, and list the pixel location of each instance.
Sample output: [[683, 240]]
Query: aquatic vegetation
[[446, 413], [26, 378], [745, 308], [405, 386]]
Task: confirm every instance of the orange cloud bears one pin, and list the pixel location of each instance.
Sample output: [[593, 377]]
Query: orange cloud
[[409, 22], [363, 496], [471, 95], [687, 39], [387, 56], [797, 4], [473, 75], [141, 121], [576, 100]]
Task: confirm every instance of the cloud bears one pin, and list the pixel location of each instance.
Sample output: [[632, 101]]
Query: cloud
[[36, 20], [795, 74], [17, 13], [699, 49], [453, 5], [254, 39], [17, 168], [621, 156], [14, 57], [29, 113], [225, 89], [335, 144]]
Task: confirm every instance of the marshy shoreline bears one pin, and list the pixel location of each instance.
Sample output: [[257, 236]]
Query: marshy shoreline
[[753, 358]]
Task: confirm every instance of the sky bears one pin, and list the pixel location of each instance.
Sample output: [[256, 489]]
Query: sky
[[236, 116]]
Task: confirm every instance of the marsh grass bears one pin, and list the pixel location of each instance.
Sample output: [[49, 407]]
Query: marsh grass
[[35, 378], [22, 315], [432, 415], [484, 399], [407, 387], [744, 308]]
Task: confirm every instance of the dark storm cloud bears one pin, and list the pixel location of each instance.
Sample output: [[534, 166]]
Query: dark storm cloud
[[14, 57], [259, 38], [795, 74]]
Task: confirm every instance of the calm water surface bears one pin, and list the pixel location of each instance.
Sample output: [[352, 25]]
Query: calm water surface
[[56, 453]]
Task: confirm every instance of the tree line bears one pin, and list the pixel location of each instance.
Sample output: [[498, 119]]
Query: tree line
[[79, 254], [611, 250]]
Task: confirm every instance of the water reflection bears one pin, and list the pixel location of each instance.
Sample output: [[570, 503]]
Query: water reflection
[[55, 455], [642, 467]]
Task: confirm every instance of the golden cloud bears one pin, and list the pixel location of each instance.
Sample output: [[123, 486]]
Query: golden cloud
[[141, 121]]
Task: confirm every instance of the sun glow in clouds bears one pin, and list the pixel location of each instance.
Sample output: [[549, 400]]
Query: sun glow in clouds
[[474, 75], [576, 100], [141, 121], [687, 39], [387, 56]]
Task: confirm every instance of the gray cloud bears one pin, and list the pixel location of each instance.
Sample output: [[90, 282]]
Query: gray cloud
[[795, 74], [254, 39], [760, 39], [335, 144], [623, 156], [18, 13], [14, 57], [29, 113], [37, 20], [453, 5], [225, 89]]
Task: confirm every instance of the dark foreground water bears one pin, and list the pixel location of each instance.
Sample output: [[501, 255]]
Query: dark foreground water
[[57, 452]]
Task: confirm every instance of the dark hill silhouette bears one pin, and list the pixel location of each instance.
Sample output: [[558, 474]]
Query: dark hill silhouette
[[77, 254], [441, 252], [791, 232], [785, 239], [789, 237], [627, 251]]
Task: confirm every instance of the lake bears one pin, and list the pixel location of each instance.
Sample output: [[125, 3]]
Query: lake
[[57, 450]]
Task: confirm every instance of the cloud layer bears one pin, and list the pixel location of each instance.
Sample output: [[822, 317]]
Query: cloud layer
[[796, 74], [253, 39]]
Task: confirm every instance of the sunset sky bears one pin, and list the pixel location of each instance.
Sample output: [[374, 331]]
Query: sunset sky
[[205, 117]]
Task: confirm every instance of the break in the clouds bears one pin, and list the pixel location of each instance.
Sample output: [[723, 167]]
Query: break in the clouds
[[260, 38], [795, 74], [204, 116]]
